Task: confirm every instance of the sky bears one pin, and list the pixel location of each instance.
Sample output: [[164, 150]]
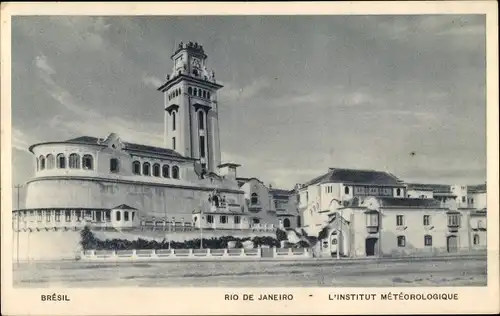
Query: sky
[[404, 94]]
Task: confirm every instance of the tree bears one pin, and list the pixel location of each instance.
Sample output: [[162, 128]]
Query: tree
[[87, 239], [281, 235]]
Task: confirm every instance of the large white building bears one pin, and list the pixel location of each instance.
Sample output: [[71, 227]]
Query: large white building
[[111, 182]]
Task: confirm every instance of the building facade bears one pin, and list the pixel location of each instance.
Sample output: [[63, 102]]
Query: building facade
[[391, 227], [270, 205], [332, 190], [358, 213]]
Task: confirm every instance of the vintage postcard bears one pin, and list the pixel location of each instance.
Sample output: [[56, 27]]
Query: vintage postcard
[[249, 158]]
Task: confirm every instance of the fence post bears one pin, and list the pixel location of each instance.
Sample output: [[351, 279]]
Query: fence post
[[290, 251], [209, 253], [225, 254], [243, 252], [274, 252]]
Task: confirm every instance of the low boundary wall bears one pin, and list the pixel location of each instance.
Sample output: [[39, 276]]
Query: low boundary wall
[[195, 254]]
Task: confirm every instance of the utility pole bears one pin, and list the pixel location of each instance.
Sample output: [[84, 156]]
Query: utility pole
[[339, 226], [201, 227], [18, 219]]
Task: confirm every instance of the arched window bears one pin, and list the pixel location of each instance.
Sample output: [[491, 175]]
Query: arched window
[[166, 171], [190, 91], [179, 92], [125, 216], [88, 162], [175, 172], [398, 192], [114, 165], [195, 92], [50, 161], [156, 170], [136, 167], [204, 94], [118, 216], [401, 241], [208, 95], [201, 121], [74, 161], [173, 121], [346, 190], [61, 161], [199, 93], [146, 169], [254, 198], [286, 223], [37, 164], [476, 239], [42, 162]]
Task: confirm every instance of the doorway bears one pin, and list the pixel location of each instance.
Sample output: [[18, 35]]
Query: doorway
[[371, 246], [452, 244]]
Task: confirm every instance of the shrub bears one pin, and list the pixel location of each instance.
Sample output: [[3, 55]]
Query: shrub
[[281, 235], [88, 241]]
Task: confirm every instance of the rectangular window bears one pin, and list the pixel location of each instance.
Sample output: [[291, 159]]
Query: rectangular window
[[374, 191], [360, 191], [428, 240], [67, 215], [237, 220], [210, 219], [372, 220], [401, 241], [108, 216], [463, 199], [173, 143], [58, 216], [113, 165], [223, 219], [39, 216], [427, 220], [399, 220], [202, 146], [48, 216], [454, 220]]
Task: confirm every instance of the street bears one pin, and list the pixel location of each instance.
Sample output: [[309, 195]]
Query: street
[[431, 272]]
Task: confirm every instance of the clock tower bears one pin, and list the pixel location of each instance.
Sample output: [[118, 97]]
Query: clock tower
[[191, 110]]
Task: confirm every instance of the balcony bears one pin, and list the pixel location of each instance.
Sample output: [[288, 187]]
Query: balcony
[[372, 222], [453, 221]]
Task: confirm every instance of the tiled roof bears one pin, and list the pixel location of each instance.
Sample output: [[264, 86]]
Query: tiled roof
[[280, 192], [352, 176], [429, 187], [124, 207], [130, 146], [399, 202]]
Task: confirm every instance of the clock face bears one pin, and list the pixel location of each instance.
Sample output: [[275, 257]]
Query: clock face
[[195, 62]]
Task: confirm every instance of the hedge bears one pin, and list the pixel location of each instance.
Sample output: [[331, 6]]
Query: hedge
[[89, 241]]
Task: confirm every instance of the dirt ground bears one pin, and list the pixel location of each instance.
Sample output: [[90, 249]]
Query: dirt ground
[[432, 272]]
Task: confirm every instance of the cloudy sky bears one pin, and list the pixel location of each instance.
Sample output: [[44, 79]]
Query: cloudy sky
[[399, 93]]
